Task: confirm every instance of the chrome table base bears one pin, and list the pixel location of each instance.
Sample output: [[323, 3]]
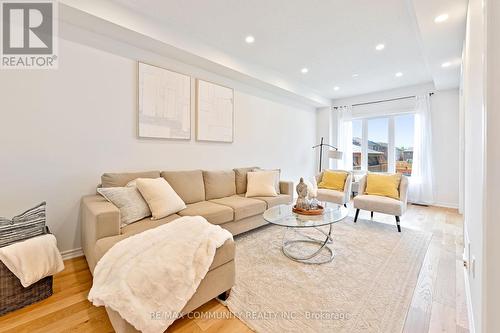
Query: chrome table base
[[322, 246]]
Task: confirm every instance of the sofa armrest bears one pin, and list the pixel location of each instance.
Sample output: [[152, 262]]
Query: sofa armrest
[[286, 188], [403, 191], [347, 188], [99, 219], [362, 185]]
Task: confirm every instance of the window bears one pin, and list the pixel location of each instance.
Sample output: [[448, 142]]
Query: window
[[403, 143], [357, 134], [378, 144], [383, 144]]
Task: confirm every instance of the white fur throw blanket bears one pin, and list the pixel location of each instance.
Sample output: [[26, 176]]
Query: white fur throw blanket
[[157, 270]]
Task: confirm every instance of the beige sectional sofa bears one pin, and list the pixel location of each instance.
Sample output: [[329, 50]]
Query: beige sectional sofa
[[219, 196]]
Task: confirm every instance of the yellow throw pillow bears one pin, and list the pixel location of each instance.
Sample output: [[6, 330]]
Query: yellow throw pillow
[[333, 180], [386, 185]]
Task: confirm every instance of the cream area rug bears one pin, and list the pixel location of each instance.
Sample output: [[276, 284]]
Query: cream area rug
[[367, 287]]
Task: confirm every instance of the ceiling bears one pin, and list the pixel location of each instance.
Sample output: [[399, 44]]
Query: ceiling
[[334, 39]]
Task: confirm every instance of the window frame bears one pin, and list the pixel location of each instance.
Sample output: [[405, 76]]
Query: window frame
[[391, 135]]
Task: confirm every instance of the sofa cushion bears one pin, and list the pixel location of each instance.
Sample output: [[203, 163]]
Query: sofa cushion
[[241, 179], [243, 207], [331, 196], [219, 184], [188, 184], [375, 203], [122, 179], [281, 199], [214, 213], [146, 224]]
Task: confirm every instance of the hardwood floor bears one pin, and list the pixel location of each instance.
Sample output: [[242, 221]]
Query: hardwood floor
[[438, 303]]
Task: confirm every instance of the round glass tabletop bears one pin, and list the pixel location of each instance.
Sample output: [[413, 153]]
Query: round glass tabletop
[[282, 215]]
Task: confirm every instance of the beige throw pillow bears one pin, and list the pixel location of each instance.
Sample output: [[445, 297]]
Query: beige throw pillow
[[277, 180], [160, 196], [261, 184]]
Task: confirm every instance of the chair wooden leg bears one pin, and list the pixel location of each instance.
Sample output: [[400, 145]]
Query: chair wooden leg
[[356, 216], [371, 214], [397, 223]]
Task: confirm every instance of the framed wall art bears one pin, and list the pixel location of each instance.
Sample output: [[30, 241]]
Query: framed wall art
[[164, 103], [214, 112]]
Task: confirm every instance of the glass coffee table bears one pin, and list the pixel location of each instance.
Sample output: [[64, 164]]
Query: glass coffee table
[[283, 216]]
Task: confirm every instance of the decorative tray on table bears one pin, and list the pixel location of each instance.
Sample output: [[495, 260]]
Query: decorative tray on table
[[316, 211]]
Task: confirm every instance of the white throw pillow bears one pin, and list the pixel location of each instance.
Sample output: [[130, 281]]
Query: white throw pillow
[[277, 180], [261, 184], [160, 196], [33, 259], [128, 200]]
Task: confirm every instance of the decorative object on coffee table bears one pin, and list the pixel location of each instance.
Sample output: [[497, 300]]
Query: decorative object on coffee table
[[302, 202], [318, 210], [306, 204], [312, 194]]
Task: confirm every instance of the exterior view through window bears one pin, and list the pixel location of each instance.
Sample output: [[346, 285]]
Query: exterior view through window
[[403, 143], [388, 145]]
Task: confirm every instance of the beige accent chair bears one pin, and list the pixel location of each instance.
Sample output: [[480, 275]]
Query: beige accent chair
[[380, 204], [219, 196], [356, 176], [338, 197]]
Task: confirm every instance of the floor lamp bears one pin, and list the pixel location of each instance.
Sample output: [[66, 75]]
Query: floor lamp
[[333, 154]]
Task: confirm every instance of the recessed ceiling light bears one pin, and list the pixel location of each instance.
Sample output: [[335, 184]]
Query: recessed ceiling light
[[446, 64], [441, 18], [304, 70], [380, 47], [249, 39], [398, 74], [355, 76], [336, 88]]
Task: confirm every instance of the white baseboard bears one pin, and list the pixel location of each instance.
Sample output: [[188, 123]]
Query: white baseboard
[[69, 254], [445, 205], [468, 299]]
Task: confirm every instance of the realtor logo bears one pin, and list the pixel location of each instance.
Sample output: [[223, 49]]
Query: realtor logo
[[28, 39]]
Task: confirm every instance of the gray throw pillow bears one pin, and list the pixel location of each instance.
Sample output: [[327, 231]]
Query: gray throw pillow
[[129, 201], [29, 224]]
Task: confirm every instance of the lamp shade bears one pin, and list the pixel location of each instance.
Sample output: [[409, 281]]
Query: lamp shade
[[335, 154]]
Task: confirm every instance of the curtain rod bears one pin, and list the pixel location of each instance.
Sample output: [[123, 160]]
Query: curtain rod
[[384, 100]]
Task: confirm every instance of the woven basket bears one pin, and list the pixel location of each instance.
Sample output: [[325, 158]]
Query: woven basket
[[14, 296]]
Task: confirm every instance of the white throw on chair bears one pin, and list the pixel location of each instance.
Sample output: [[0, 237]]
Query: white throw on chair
[[382, 204], [338, 197]]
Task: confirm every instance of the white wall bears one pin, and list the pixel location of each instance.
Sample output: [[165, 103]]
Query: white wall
[[61, 129], [445, 135], [323, 130], [492, 232], [474, 137]]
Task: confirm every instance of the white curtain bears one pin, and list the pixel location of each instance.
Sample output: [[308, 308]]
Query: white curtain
[[421, 180], [344, 139]]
